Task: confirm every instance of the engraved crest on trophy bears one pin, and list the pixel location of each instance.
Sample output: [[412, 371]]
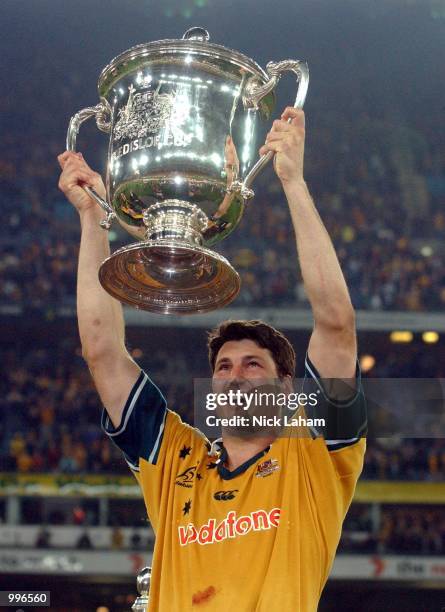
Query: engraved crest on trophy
[[145, 113]]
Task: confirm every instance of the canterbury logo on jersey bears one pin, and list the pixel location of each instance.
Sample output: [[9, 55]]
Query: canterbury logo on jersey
[[230, 527], [225, 495]]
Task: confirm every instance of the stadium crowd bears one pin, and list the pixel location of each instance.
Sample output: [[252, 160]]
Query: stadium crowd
[[391, 259], [379, 186], [405, 529], [53, 412], [53, 418]]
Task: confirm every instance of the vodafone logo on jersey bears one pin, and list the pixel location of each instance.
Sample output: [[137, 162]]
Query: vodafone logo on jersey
[[230, 527]]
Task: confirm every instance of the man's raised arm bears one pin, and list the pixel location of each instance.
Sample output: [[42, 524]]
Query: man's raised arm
[[333, 346], [100, 317]]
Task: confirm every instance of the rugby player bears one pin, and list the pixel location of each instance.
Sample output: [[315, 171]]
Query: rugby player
[[246, 524]]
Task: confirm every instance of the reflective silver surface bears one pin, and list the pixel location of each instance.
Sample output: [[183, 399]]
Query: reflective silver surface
[[183, 119], [180, 132], [143, 587]]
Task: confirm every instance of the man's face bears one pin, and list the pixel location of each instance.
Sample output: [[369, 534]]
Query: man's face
[[243, 365], [241, 361]]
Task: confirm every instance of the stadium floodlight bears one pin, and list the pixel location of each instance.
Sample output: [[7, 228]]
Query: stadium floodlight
[[430, 337], [367, 362], [401, 336]]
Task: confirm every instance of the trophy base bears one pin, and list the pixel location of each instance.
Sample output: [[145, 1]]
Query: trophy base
[[170, 277]]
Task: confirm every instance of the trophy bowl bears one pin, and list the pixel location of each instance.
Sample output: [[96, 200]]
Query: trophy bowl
[[183, 118]]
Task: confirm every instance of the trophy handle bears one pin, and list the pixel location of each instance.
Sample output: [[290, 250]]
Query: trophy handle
[[100, 112], [275, 70]]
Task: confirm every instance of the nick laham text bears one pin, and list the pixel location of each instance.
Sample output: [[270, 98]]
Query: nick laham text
[[239, 420]]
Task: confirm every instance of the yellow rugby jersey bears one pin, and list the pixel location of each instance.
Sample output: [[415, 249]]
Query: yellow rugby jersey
[[259, 539]]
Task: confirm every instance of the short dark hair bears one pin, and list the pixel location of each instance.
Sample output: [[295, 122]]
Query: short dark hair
[[263, 334]]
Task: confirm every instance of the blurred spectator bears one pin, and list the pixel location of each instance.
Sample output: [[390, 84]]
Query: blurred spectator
[[43, 539], [117, 539], [135, 541], [84, 541], [79, 515]]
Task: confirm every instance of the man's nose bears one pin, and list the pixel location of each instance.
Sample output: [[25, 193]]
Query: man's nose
[[238, 380], [237, 373]]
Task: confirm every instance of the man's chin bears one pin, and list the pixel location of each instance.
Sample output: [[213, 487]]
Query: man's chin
[[249, 430], [238, 432], [246, 423]]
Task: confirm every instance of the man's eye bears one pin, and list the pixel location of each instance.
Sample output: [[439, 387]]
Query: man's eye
[[223, 366], [255, 363]]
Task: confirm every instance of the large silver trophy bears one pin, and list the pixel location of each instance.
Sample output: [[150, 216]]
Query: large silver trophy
[[183, 118]]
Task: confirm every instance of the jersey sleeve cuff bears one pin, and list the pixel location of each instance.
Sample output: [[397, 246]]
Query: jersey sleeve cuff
[[106, 423], [314, 374], [345, 420]]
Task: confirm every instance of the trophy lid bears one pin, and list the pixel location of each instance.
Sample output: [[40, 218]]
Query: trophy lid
[[195, 42]]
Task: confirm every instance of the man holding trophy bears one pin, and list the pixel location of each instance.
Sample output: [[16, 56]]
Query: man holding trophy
[[247, 523]]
